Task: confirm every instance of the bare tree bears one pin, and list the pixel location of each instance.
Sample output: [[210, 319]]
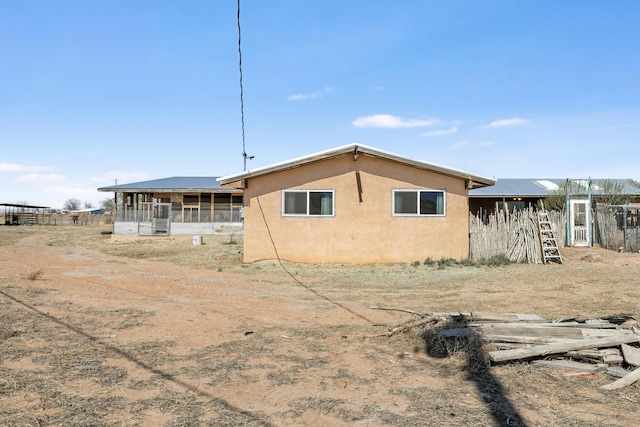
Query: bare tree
[[609, 193], [107, 205], [556, 199], [612, 193], [88, 205], [71, 205]]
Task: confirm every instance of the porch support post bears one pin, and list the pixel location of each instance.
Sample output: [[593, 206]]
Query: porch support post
[[567, 210], [589, 212]]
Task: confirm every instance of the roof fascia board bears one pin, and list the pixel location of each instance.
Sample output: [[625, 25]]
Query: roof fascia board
[[478, 181], [163, 190]]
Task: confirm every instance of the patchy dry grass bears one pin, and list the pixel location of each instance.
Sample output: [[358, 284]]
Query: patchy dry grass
[[151, 332]]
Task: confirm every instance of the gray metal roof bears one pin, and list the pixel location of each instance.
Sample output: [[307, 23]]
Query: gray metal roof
[[172, 184], [20, 205], [542, 187], [510, 188]]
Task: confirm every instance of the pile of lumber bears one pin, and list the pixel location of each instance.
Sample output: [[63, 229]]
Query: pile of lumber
[[609, 344]]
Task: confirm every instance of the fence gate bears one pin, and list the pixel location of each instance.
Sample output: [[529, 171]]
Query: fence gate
[[161, 221], [580, 221]]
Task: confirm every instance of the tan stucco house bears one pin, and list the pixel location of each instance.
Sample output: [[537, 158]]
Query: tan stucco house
[[355, 204]]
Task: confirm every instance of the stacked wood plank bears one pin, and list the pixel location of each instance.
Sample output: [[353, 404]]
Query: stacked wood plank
[[610, 345]]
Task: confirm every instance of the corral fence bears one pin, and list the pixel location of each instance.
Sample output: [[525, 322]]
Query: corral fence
[[512, 234], [40, 218], [617, 227]]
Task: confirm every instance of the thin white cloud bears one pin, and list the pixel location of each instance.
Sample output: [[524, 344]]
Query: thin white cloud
[[506, 122], [121, 176], [379, 88], [471, 143], [17, 168], [310, 96], [37, 178], [389, 121], [459, 144], [440, 132], [71, 190]]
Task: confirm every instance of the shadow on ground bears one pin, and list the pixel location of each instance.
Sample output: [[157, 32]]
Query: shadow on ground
[[462, 339]]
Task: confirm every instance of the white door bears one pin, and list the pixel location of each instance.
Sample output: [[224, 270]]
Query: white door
[[580, 222]]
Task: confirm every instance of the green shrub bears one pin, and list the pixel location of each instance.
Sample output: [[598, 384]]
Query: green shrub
[[429, 262], [446, 262], [496, 261], [466, 262]]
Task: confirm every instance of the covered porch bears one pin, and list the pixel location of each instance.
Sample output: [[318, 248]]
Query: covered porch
[[178, 205]]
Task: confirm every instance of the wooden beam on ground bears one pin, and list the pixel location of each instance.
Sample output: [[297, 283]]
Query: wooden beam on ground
[[571, 365], [532, 331], [610, 356], [478, 316], [522, 339], [628, 379], [631, 355], [561, 347], [616, 371]]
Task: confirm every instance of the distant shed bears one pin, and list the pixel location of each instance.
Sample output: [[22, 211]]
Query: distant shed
[[21, 214]]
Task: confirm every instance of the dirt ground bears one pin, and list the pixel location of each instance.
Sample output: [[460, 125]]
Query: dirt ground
[[157, 331]]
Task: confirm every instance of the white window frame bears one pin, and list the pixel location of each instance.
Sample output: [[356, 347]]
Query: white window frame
[[307, 214], [418, 191]]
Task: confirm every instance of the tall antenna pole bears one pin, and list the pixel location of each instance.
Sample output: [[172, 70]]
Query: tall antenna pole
[[245, 156]]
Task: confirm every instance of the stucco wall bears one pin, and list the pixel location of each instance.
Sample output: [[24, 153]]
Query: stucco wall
[[360, 232], [125, 227], [205, 227]]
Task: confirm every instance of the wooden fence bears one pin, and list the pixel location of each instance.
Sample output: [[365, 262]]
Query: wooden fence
[[55, 219], [617, 227], [514, 235]]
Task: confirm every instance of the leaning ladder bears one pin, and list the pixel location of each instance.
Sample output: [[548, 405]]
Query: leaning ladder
[[550, 250]]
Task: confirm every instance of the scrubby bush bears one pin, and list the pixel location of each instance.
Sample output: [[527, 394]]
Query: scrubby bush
[[34, 275], [496, 261], [446, 262], [467, 262]]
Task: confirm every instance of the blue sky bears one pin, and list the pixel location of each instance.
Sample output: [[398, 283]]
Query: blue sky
[[94, 91]]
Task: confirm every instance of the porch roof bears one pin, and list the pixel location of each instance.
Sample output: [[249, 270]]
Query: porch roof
[[511, 188], [542, 187], [175, 184], [20, 205]]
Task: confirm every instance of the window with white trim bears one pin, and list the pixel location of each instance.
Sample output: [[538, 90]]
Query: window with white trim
[[307, 202], [418, 203]]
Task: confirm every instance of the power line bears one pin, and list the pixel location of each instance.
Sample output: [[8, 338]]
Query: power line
[[244, 146], [298, 281]]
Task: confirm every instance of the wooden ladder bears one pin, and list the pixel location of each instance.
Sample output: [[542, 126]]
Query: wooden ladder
[[550, 250]]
